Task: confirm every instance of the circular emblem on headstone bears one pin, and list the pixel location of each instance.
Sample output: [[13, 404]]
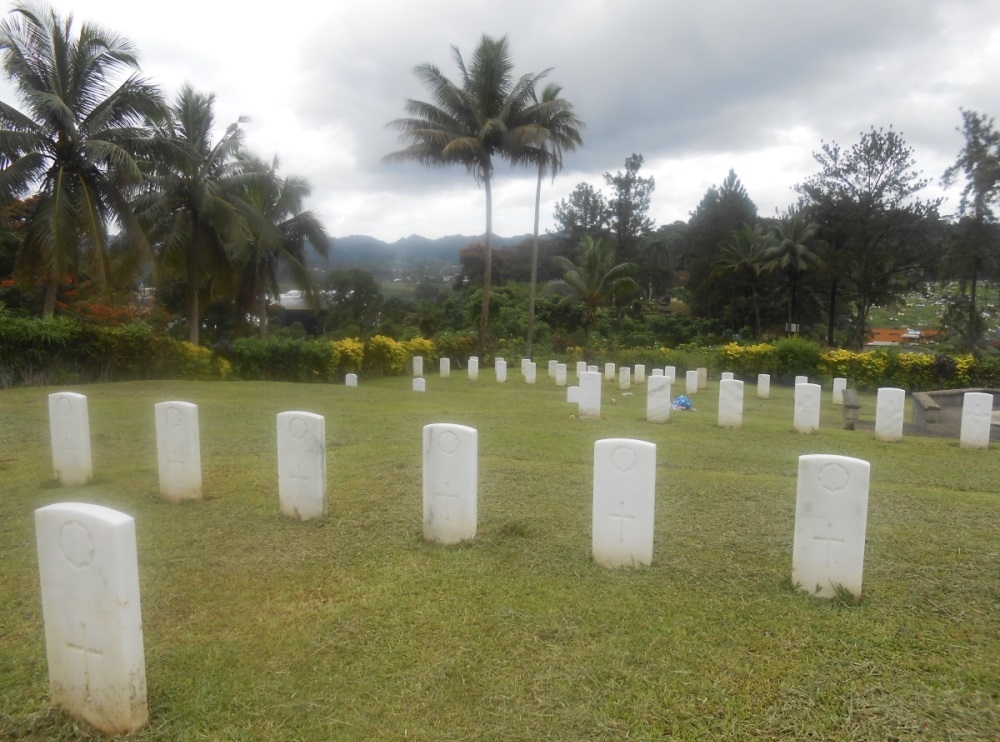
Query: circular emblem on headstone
[[297, 428], [833, 477], [623, 458], [64, 405], [76, 543], [447, 442], [174, 417]]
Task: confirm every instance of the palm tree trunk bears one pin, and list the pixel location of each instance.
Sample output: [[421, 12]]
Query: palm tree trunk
[[262, 313], [831, 321], [534, 267], [484, 314], [192, 273], [51, 290]]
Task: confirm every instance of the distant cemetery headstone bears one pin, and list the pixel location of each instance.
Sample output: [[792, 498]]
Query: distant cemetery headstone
[[831, 514], [592, 368], [451, 476], [500, 366], [657, 372], [581, 368], [69, 430], [530, 371], [726, 375], [807, 397], [178, 450], [590, 395], [420, 385], [302, 464], [703, 378], [418, 366], [473, 368], [89, 571], [609, 372], [351, 380], [977, 413], [624, 378], [890, 404], [730, 403], [624, 495], [573, 395], [444, 367], [691, 382], [640, 373], [763, 386], [839, 385], [524, 365], [560, 374], [671, 373], [658, 399], [552, 368], [801, 380]]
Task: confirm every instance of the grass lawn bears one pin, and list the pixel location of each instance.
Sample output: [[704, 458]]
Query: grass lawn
[[261, 628]]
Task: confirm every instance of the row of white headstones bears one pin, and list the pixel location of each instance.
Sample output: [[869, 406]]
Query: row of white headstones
[[89, 568]]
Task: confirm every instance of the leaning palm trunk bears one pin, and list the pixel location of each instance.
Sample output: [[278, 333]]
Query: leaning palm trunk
[[534, 267], [484, 314]]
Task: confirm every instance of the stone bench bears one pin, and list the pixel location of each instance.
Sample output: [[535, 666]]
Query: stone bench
[[925, 409], [852, 408]]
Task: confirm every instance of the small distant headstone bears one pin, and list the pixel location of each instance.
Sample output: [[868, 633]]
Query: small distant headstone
[[977, 413], [726, 375], [581, 368], [89, 571], [590, 395], [839, 385], [763, 386], [831, 514], [807, 397], [801, 380], [530, 371], [473, 368], [889, 406], [624, 495], [624, 378], [573, 394], [609, 372], [640, 373], [592, 368], [552, 368], [730, 403], [302, 464], [703, 378], [444, 367], [560, 374], [658, 399], [69, 430], [418, 365], [351, 380], [420, 385], [500, 366], [657, 372], [524, 365], [451, 481], [671, 373], [691, 382], [178, 450]]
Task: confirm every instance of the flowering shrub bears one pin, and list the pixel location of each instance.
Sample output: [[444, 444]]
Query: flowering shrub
[[385, 356], [749, 360], [348, 355], [422, 347]]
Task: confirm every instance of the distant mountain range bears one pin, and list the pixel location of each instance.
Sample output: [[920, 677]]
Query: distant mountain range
[[364, 251]]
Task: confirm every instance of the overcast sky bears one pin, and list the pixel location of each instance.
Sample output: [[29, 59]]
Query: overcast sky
[[697, 88]]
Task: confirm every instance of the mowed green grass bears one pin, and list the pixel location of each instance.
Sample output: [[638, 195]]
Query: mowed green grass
[[257, 627]]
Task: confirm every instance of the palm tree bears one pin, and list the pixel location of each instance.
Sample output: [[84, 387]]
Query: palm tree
[[78, 141], [791, 251], [597, 280], [196, 207], [744, 254], [470, 124], [278, 235], [556, 128]]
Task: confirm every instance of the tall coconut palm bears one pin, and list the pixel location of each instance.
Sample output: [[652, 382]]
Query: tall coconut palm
[[196, 207], [77, 140], [278, 234], [469, 124], [597, 279], [791, 251], [555, 128], [744, 254]]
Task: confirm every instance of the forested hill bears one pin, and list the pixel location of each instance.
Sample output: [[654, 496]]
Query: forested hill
[[360, 251]]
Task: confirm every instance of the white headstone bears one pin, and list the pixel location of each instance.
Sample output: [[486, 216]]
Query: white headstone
[[657, 372], [624, 495], [831, 514], [89, 571], [418, 365], [420, 385], [451, 477], [573, 394], [691, 382], [560, 374], [530, 371], [839, 385], [977, 413], [473, 368], [444, 367], [624, 378], [671, 373], [801, 380], [640, 373], [302, 464], [703, 378], [178, 450], [552, 368], [500, 365], [889, 406], [763, 386], [592, 369], [590, 395], [351, 380], [807, 397], [69, 430], [730, 403], [725, 375], [609, 372], [658, 399], [524, 365], [581, 368]]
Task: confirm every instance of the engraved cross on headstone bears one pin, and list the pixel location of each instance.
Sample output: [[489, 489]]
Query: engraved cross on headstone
[[830, 541], [86, 651], [301, 479], [622, 517]]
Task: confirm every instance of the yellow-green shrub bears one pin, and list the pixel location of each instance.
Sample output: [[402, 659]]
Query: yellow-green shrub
[[385, 356], [423, 348], [348, 356]]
